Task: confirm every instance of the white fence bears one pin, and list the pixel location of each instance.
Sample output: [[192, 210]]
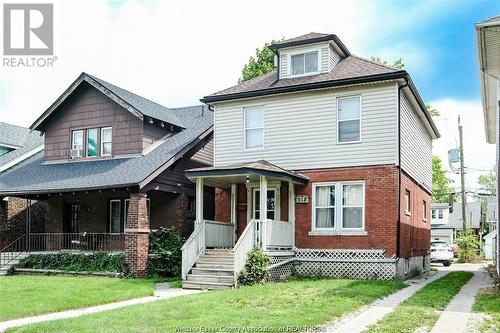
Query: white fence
[[193, 248], [279, 234], [219, 234]]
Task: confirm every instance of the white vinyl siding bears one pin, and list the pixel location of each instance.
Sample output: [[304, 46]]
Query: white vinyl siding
[[416, 146], [301, 131], [334, 58]]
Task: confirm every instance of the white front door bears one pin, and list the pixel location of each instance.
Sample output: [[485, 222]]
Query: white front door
[[271, 204]]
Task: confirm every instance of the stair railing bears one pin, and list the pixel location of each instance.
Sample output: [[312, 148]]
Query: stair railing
[[245, 244], [193, 248], [12, 251]]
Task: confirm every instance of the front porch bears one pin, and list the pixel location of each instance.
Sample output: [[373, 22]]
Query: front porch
[[266, 219]]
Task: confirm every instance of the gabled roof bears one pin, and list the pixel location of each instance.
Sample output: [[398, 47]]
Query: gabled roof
[[34, 177], [310, 38], [137, 105], [25, 143]]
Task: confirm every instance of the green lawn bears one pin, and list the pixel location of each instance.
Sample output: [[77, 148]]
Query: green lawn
[[23, 296], [296, 302], [421, 311], [489, 303]]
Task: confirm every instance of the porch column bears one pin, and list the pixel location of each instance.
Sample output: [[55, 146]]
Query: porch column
[[291, 209], [263, 211], [137, 234], [199, 201], [234, 212]]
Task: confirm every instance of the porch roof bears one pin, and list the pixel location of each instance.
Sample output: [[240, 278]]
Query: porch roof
[[224, 176]]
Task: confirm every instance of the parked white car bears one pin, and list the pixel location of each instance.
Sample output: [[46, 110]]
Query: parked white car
[[441, 252]]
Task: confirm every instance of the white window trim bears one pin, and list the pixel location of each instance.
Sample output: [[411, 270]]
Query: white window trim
[[102, 141], [440, 214], [277, 203], [73, 140], [110, 213], [254, 128], [87, 142], [303, 51], [338, 229], [360, 119]]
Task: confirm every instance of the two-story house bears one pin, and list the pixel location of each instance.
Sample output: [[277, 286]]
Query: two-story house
[[444, 225], [324, 162], [111, 169]]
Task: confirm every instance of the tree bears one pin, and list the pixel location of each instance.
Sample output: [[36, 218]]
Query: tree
[[440, 182], [396, 64], [262, 63], [432, 110], [488, 183]]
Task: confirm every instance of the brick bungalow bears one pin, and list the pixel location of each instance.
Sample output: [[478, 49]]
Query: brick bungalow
[[112, 168]]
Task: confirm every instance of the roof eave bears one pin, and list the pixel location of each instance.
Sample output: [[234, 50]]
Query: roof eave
[[297, 179], [331, 37], [66, 190]]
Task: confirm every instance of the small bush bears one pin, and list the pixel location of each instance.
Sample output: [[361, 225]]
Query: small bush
[[468, 246], [255, 270], [165, 253], [77, 262]]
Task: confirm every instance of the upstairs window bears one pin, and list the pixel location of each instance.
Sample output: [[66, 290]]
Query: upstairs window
[[349, 119], [76, 143], [92, 142], [106, 138], [433, 214], [304, 63], [440, 214], [254, 127]]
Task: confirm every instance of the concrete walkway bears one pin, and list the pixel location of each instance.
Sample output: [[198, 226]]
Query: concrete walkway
[[457, 314], [361, 320], [162, 292]]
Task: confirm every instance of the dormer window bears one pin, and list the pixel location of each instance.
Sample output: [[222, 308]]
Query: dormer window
[[91, 142], [304, 63]]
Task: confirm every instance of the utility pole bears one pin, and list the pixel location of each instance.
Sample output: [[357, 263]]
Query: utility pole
[[462, 175]]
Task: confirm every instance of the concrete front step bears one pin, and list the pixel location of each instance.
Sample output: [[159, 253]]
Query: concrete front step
[[214, 265], [206, 285], [216, 258], [210, 278], [212, 271]]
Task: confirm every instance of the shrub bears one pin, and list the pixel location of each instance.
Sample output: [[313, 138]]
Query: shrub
[[468, 246], [165, 253], [77, 262], [255, 270]]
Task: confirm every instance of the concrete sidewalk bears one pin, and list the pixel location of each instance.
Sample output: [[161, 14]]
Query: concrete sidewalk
[[457, 314], [360, 321], [162, 292]]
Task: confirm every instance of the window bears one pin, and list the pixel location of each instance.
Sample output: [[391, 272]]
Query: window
[[304, 63], [76, 143], [115, 221], [254, 127], [191, 203], [433, 214], [106, 138], [424, 210], [271, 204], [92, 142], [408, 202], [349, 119], [341, 201], [440, 214], [352, 206]]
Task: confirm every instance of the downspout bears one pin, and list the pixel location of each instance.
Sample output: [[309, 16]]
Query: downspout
[[398, 236]]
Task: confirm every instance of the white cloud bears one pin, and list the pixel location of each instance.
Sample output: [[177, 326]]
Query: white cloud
[[479, 156]]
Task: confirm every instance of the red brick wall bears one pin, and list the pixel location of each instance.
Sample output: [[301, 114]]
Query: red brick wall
[[137, 234], [13, 218], [415, 234], [380, 209]]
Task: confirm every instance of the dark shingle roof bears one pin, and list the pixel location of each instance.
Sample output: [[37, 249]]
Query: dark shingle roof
[[32, 142], [144, 105], [13, 135], [32, 176], [347, 68], [309, 36]]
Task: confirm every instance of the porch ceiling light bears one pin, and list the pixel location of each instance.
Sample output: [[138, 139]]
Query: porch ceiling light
[[248, 179]]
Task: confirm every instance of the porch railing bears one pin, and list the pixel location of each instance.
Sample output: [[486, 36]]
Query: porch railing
[[244, 245], [219, 234], [12, 251], [85, 242], [279, 234], [193, 248]]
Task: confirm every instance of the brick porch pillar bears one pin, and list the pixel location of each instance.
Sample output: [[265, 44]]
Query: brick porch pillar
[[137, 234]]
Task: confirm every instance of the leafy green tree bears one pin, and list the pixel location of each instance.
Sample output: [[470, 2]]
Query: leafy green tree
[[262, 63], [488, 183], [432, 110], [399, 64], [440, 182]]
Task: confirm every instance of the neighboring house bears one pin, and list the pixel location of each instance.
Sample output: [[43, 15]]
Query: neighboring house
[[16, 144], [112, 168], [325, 161], [488, 46], [444, 225]]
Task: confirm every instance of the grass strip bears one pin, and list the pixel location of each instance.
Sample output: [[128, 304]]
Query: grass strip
[[488, 301], [422, 310]]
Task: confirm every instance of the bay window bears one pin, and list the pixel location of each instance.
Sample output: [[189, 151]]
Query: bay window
[[349, 119], [254, 127], [338, 207]]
